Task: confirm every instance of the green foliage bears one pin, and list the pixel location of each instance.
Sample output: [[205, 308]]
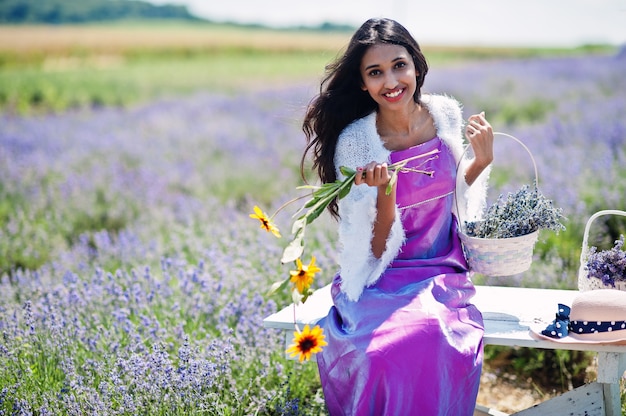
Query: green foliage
[[70, 11], [533, 111], [37, 229], [139, 78], [28, 91], [299, 396], [565, 246], [511, 113]]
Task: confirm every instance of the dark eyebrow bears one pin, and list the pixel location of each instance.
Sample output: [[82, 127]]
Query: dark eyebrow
[[399, 58]]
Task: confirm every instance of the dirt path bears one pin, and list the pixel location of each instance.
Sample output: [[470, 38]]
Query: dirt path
[[507, 393]]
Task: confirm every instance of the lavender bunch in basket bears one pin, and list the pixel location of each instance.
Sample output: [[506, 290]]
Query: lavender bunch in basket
[[519, 213], [607, 265]]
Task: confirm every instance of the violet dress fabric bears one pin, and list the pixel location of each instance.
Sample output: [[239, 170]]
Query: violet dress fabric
[[412, 344]]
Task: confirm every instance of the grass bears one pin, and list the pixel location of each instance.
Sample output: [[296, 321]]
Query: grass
[[53, 68], [44, 68], [68, 83]]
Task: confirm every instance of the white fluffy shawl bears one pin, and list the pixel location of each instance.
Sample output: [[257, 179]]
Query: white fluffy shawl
[[359, 144]]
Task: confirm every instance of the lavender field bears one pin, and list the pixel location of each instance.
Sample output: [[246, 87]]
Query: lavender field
[[134, 282]]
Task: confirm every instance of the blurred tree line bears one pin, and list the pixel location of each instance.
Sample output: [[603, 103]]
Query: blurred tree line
[[84, 11]]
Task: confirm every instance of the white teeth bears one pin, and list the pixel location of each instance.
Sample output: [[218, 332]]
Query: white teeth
[[394, 94]]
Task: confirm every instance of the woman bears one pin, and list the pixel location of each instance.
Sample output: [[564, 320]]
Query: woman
[[403, 337]]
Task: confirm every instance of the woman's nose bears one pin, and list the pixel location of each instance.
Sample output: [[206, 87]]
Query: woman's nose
[[390, 81]]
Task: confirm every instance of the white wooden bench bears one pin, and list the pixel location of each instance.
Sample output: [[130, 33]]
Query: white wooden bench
[[508, 313]]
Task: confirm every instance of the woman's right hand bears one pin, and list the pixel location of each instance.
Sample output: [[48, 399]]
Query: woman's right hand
[[373, 174]]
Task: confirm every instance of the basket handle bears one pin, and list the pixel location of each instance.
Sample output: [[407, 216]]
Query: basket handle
[[585, 250], [456, 199]]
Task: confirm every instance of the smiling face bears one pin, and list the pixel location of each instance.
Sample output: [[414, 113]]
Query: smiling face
[[388, 75]]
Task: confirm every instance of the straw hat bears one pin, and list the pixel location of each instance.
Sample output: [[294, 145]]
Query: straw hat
[[596, 317]]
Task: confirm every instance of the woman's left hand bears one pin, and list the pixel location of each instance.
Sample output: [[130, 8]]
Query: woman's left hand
[[479, 133]]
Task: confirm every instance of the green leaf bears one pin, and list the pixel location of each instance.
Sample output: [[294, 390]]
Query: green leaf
[[346, 171], [311, 202], [392, 182], [328, 188], [344, 191], [326, 191], [278, 286], [315, 212], [306, 295]]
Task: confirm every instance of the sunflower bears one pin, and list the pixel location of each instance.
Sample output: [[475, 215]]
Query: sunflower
[[303, 277], [266, 222], [307, 342]]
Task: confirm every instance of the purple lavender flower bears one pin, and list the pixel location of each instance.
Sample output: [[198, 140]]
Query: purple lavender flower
[[517, 214], [607, 265]]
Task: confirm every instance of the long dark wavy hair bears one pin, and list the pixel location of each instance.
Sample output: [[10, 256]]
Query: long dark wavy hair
[[341, 99]]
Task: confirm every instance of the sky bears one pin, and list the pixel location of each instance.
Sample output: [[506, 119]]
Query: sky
[[448, 22]]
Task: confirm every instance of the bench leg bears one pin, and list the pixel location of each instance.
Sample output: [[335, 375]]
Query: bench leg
[[611, 367], [612, 400]]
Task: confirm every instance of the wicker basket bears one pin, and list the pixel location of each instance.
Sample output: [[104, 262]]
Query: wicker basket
[[584, 282], [499, 256]]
